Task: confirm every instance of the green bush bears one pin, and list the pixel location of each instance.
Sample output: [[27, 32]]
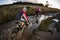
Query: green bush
[[44, 25]]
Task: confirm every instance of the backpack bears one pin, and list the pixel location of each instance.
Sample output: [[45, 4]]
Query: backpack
[[19, 14]]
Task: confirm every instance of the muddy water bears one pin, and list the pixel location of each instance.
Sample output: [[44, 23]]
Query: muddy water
[[4, 29]]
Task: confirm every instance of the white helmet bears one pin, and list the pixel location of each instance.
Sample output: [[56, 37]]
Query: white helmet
[[24, 8]]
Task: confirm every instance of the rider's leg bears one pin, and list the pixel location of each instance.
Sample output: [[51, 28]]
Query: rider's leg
[[37, 18], [22, 24]]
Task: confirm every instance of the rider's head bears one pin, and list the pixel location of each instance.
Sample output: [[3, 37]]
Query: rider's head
[[24, 8], [38, 10]]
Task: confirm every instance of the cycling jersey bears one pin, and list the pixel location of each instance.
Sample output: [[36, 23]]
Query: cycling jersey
[[22, 16]]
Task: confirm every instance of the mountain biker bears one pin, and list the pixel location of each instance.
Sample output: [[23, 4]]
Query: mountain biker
[[22, 17], [37, 11]]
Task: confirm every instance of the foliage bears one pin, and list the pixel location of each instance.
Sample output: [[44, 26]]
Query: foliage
[[22, 3], [44, 25], [29, 3], [7, 14], [30, 11]]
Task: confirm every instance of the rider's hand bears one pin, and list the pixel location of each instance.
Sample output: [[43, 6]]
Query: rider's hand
[[27, 23]]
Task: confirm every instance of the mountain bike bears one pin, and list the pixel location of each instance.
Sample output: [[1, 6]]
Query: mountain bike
[[16, 32]]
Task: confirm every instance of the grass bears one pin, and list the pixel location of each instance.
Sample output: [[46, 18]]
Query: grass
[[44, 25], [8, 12]]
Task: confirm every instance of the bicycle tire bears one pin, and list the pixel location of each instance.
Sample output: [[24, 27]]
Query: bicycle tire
[[12, 35]]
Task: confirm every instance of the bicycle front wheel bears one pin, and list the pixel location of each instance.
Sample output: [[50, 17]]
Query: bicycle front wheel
[[12, 34]]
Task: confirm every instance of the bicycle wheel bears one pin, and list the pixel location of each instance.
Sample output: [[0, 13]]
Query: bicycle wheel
[[12, 34], [19, 34]]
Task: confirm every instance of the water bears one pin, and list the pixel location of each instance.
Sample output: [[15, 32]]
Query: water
[[33, 25], [43, 17]]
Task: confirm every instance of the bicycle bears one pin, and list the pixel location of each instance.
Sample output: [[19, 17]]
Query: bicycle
[[16, 32]]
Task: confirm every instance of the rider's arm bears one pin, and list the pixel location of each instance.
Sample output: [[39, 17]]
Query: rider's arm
[[25, 16]]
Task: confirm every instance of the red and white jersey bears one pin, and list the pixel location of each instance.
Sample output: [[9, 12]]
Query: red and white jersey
[[25, 16]]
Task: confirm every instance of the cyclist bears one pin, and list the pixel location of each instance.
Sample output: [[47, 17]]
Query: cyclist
[[22, 17], [37, 11]]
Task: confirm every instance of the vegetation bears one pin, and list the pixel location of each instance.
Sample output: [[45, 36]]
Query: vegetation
[[23, 3], [29, 3], [8, 12], [44, 25]]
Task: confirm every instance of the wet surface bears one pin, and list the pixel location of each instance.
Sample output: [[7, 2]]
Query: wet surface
[[27, 35], [41, 35]]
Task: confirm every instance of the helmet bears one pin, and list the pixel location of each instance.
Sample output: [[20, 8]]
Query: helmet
[[24, 8], [38, 10]]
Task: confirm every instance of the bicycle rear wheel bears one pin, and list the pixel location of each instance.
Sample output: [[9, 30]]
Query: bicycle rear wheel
[[13, 34]]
